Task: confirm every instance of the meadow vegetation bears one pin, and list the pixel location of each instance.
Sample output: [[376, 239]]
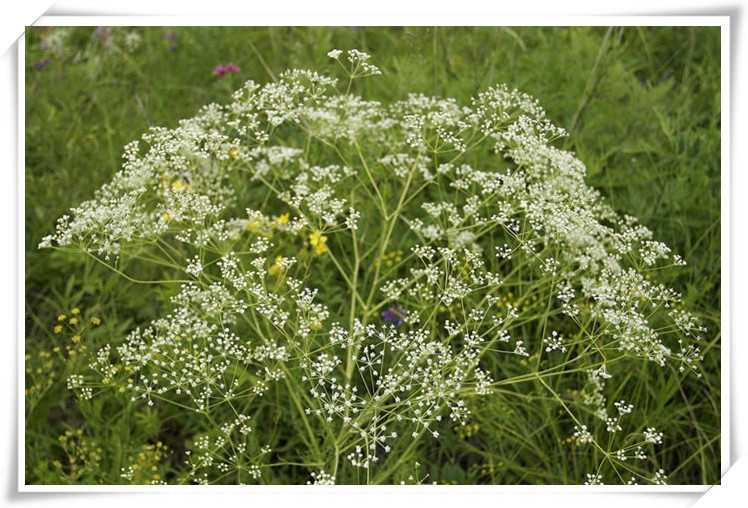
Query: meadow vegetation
[[387, 269]]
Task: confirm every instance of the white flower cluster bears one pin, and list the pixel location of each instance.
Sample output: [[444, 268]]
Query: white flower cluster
[[630, 447], [418, 378], [229, 453], [103, 42], [322, 478], [358, 60], [283, 208]]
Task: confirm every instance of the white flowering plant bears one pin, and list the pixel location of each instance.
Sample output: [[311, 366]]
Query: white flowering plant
[[348, 282], [65, 45]]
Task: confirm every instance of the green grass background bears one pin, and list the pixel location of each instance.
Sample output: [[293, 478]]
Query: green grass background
[[643, 107]]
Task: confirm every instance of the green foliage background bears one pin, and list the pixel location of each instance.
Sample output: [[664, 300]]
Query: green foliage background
[[643, 107]]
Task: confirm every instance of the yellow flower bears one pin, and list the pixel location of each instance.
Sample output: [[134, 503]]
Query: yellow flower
[[73, 321], [76, 339], [255, 225], [389, 258], [282, 219], [61, 317], [276, 268], [75, 311], [234, 153], [177, 185], [58, 328], [317, 240], [166, 217], [95, 321]]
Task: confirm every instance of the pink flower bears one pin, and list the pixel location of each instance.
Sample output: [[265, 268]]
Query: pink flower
[[221, 70]]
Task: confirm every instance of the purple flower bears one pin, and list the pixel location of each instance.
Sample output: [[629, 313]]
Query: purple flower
[[394, 315], [102, 33], [40, 65], [231, 67], [172, 38]]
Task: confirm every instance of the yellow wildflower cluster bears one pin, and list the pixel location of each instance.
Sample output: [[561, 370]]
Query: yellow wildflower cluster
[[281, 219], [508, 298], [260, 225], [572, 440], [176, 185], [255, 225], [72, 320], [448, 482], [83, 457], [72, 324], [486, 470], [277, 267], [317, 241], [529, 360], [469, 430], [389, 258], [130, 380], [143, 467], [41, 374], [452, 309]]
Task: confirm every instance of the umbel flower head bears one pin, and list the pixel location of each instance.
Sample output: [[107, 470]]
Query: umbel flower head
[[279, 213]]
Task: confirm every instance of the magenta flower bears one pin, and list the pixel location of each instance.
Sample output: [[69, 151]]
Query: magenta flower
[[221, 70]]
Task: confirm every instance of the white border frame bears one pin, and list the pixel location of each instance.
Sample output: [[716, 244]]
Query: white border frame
[[276, 20]]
